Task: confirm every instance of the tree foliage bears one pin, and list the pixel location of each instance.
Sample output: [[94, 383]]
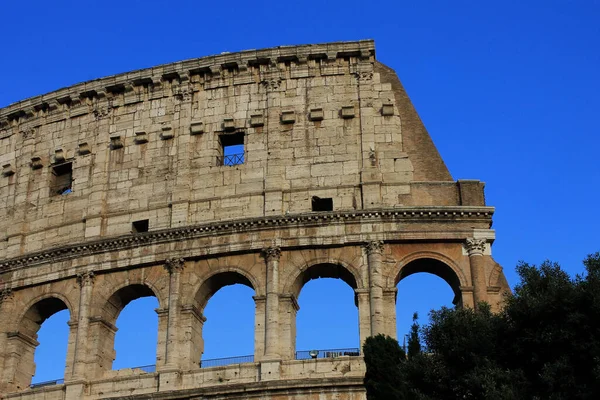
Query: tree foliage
[[544, 344]]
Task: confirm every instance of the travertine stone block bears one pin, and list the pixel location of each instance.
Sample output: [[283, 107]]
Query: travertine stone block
[[288, 117], [167, 132], [387, 109], [316, 114], [228, 124], [347, 112], [36, 163], [257, 120], [84, 148], [8, 170], [116, 142], [141, 137], [196, 128], [59, 156]]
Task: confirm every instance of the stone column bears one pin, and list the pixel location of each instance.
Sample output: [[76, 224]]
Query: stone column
[[272, 255], [475, 249], [161, 340], [389, 311], [6, 309], [86, 282], [191, 343], [174, 266], [364, 315], [259, 327], [287, 322], [374, 250]]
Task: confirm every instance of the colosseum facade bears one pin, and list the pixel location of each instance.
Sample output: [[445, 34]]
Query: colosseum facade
[[266, 168]]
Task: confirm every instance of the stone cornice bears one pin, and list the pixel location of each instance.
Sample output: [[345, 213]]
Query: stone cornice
[[404, 214], [210, 66]]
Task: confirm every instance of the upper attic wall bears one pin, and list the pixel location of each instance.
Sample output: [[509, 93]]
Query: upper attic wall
[[319, 121], [209, 67], [427, 162]]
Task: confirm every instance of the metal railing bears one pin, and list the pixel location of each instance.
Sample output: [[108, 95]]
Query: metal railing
[[146, 368], [328, 353], [231, 159], [219, 362], [47, 383]]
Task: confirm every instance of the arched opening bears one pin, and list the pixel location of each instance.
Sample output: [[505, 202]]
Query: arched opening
[[226, 328], [423, 285], [44, 321], [137, 335], [327, 320], [126, 333], [51, 354]]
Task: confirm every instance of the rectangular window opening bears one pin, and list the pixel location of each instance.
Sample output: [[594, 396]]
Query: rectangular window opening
[[232, 149], [62, 179], [322, 204], [140, 226]]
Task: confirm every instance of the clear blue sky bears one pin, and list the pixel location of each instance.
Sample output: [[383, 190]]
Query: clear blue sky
[[509, 91]]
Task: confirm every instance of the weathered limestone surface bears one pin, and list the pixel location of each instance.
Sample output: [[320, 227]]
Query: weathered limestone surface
[[338, 178]]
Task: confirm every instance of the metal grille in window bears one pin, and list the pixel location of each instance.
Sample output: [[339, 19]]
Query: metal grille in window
[[231, 159], [62, 179], [232, 149]]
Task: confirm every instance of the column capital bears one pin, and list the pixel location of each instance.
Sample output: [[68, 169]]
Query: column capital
[[173, 265], [5, 294], [272, 253], [475, 246], [374, 247], [85, 279]]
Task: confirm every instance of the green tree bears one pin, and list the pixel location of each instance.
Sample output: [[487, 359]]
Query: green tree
[[544, 344], [383, 357], [414, 343]]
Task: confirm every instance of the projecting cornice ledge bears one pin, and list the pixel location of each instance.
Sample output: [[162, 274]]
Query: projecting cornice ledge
[[409, 215], [210, 67]]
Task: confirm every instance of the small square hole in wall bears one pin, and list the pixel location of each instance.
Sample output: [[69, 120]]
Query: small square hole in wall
[[140, 226], [62, 179], [322, 203]]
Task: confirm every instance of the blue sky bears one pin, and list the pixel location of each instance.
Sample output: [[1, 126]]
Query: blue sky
[[509, 91]]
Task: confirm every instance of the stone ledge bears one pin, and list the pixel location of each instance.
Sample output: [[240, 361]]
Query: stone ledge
[[420, 214], [182, 70]]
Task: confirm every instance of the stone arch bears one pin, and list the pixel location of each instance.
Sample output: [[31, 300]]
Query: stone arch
[[314, 268], [193, 348], [220, 278], [434, 263], [22, 342], [102, 330], [37, 299], [322, 267], [126, 293]]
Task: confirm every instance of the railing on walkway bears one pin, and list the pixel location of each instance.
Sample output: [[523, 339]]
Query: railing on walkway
[[219, 362], [146, 368], [47, 383], [328, 353], [231, 159]]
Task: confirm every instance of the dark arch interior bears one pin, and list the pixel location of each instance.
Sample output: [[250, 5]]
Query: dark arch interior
[[39, 312], [435, 267], [218, 281], [124, 296], [325, 270]]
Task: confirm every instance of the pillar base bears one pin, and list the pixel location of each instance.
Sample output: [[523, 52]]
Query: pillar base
[[270, 370], [169, 378]]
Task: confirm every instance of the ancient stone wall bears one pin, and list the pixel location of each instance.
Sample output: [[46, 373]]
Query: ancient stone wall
[[266, 168]]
